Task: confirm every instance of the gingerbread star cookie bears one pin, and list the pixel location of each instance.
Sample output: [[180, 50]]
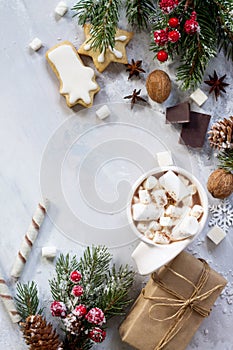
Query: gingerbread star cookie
[[103, 59], [77, 82]]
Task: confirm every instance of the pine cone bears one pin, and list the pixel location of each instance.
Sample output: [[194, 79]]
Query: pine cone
[[221, 134], [39, 334]]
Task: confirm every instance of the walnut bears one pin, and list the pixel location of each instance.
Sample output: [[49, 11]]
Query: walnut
[[158, 85], [220, 183]]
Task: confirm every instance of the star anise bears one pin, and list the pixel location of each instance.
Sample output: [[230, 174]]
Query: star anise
[[135, 97], [217, 84], [134, 68]]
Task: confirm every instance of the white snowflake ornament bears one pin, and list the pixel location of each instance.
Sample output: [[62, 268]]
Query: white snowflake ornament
[[222, 215]]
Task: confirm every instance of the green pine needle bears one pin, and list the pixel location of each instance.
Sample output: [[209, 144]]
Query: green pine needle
[[226, 160], [27, 300], [138, 12]]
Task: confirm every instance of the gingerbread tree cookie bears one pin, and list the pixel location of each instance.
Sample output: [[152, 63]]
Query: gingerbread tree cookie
[[103, 59]]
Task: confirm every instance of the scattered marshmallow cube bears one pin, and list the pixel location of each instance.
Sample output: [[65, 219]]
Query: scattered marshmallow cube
[[199, 97], [164, 158], [49, 252], [150, 183], [216, 234], [144, 196], [35, 44], [61, 8], [103, 112]]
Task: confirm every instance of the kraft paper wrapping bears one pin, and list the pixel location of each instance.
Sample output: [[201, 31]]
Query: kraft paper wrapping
[[158, 320]]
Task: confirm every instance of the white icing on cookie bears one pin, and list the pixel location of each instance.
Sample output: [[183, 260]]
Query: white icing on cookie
[[87, 47], [76, 78], [121, 38], [115, 52], [100, 58]]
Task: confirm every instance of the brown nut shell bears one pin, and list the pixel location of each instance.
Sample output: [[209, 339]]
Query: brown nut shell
[[220, 183], [158, 85]]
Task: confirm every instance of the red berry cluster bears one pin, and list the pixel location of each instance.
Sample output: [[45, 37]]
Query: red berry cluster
[[163, 36], [168, 6], [171, 34], [191, 26], [80, 321]]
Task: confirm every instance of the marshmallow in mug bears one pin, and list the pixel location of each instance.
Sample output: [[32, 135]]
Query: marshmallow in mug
[[146, 212], [188, 226], [150, 182], [174, 186], [162, 222]]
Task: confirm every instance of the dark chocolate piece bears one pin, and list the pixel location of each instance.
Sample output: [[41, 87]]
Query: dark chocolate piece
[[178, 114], [193, 133]]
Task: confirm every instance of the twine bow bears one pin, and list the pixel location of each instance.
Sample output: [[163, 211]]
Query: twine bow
[[184, 305]]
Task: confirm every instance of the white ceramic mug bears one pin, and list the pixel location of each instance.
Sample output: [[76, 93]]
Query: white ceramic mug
[[148, 255]]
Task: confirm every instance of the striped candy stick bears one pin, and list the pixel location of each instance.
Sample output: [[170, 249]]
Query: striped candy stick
[[29, 239], [8, 301]]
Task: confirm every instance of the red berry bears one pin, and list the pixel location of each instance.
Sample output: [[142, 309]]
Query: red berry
[[162, 56], [160, 37], [173, 22], [58, 309], [97, 334], [80, 311], [77, 291], [174, 36], [96, 316], [75, 276]]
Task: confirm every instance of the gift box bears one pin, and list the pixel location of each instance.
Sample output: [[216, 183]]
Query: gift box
[[173, 304]]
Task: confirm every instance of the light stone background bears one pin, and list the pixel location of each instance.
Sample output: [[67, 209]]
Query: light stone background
[[31, 111]]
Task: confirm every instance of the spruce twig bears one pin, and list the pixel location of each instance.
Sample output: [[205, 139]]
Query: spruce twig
[[226, 160], [138, 12], [61, 285], [103, 15], [27, 300], [115, 294]]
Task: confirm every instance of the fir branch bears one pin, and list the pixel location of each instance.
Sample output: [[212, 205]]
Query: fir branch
[[104, 24], [225, 27], [138, 12], [27, 300], [93, 266], [114, 298], [103, 15], [198, 49], [61, 285], [226, 160], [85, 11]]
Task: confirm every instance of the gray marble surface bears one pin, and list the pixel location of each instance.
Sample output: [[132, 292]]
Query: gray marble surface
[[33, 113]]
